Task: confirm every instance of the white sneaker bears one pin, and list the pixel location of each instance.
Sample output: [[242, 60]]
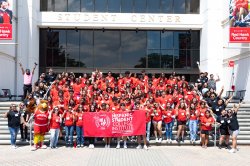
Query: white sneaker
[[145, 147], [118, 146], [125, 146], [13, 146], [108, 146], [139, 147], [34, 148], [160, 139], [91, 146], [44, 147], [156, 140], [232, 150], [170, 141]]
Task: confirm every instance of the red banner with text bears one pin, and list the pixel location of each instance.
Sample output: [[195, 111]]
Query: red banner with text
[[107, 124], [239, 21], [6, 15]]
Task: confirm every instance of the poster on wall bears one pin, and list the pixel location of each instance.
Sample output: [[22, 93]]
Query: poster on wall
[[6, 14]]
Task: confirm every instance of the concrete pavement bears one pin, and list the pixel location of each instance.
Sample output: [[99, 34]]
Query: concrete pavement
[[155, 156]]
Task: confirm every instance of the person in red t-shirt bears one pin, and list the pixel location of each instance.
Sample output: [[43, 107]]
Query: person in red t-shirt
[[55, 121], [79, 126], [68, 116], [193, 121], [157, 122], [168, 118], [206, 127], [182, 116]]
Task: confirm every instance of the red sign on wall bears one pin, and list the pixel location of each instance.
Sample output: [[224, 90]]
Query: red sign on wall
[[239, 35], [107, 124], [6, 31], [230, 63]]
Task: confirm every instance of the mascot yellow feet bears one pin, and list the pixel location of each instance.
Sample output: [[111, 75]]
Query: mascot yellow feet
[[38, 142]]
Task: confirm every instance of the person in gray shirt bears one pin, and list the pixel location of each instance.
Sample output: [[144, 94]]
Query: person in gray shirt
[[212, 82]]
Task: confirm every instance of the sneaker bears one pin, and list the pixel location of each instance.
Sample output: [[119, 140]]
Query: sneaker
[[156, 140], [125, 146], [82, 146], [145, 147], [14, 147], [182, 140], [139, 147], [34, 148], [232, 150], [43, 147], [78, 146], [220, 147], [55, 147], [177, 140], [118, 146], [228, 147], [27, 140], [160, 139], [91, 146], [108, 146]]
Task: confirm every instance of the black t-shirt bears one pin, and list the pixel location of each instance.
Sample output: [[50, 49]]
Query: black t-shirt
[[223, 121], [50, 78], [232, 122], [218, 108], [13, 118]]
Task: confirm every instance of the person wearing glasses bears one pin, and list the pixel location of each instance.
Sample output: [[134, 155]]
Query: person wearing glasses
[[233, 126]]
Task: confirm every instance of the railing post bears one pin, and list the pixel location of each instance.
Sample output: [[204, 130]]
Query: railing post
[[215, 134]]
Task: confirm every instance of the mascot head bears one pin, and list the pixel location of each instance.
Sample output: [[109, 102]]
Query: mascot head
[[43, 106]]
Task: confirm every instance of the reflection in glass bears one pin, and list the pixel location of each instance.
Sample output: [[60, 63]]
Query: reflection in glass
[[86, 48], [195, 40], [56, 38], [100, 5], [73, 6], [154, 58], [167, 6], [107, 49], [154, 40], [114, 6], [126, 6], [133, 54], [179, 6], [59, 57], [154, 6], [180, 39], [167, 40], [73, 38], [192, 57], [61, 5], [49, 57], [167, 59], [192, 6], [180, 58], [140, 6], [73, 57], [87, 5]]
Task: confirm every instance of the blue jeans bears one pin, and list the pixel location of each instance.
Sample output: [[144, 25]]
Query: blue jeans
[[80, 136], [169, 127], [148, 125], [69, 134], [193, 129], [13, 133], [54, 135]]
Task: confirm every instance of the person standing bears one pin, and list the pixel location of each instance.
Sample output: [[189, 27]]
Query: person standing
[[23, 128], [27, 80], [14, 121]]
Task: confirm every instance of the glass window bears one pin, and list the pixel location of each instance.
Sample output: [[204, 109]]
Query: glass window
[[167, 6], [195, 39], [167, 59], [180, 58], [167, 41], [127, 6], [114, 6], [59, 57], [154, 6], [56, 38], [192, 57], [192, 6], [86, 48], [73, 38], [72, 57], [74, 5], [133, 54], [154, 40], [180, 40], [87, 5], [100, 5], [60, 5], [154, 58], [106, 49], [49, 57], [179, 6], [140, 6]]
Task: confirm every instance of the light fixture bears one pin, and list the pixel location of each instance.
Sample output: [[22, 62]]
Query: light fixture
[[103, 30], [76, 29], [163, 31], [136, 30]]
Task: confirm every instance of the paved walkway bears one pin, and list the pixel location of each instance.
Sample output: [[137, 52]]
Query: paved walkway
[[155, 156]]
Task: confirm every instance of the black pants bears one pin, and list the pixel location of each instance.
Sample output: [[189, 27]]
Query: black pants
[[91, 140], [24, 131], [26, 89]]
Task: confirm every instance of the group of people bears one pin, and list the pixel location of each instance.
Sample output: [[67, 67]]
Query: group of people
[[194, 106]]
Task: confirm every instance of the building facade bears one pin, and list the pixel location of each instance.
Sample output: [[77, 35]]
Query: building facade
[[119, 35]]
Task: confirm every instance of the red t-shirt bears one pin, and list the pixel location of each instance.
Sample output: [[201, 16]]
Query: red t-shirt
[[68, 119], [204, 121], [157, 115], [168, 115], [194, 114], [182, 115], [55, 122], [79, 119]]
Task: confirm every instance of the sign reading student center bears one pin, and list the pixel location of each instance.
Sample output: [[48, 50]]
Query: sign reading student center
[[6, 19], [239, 21], [107, 124]]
